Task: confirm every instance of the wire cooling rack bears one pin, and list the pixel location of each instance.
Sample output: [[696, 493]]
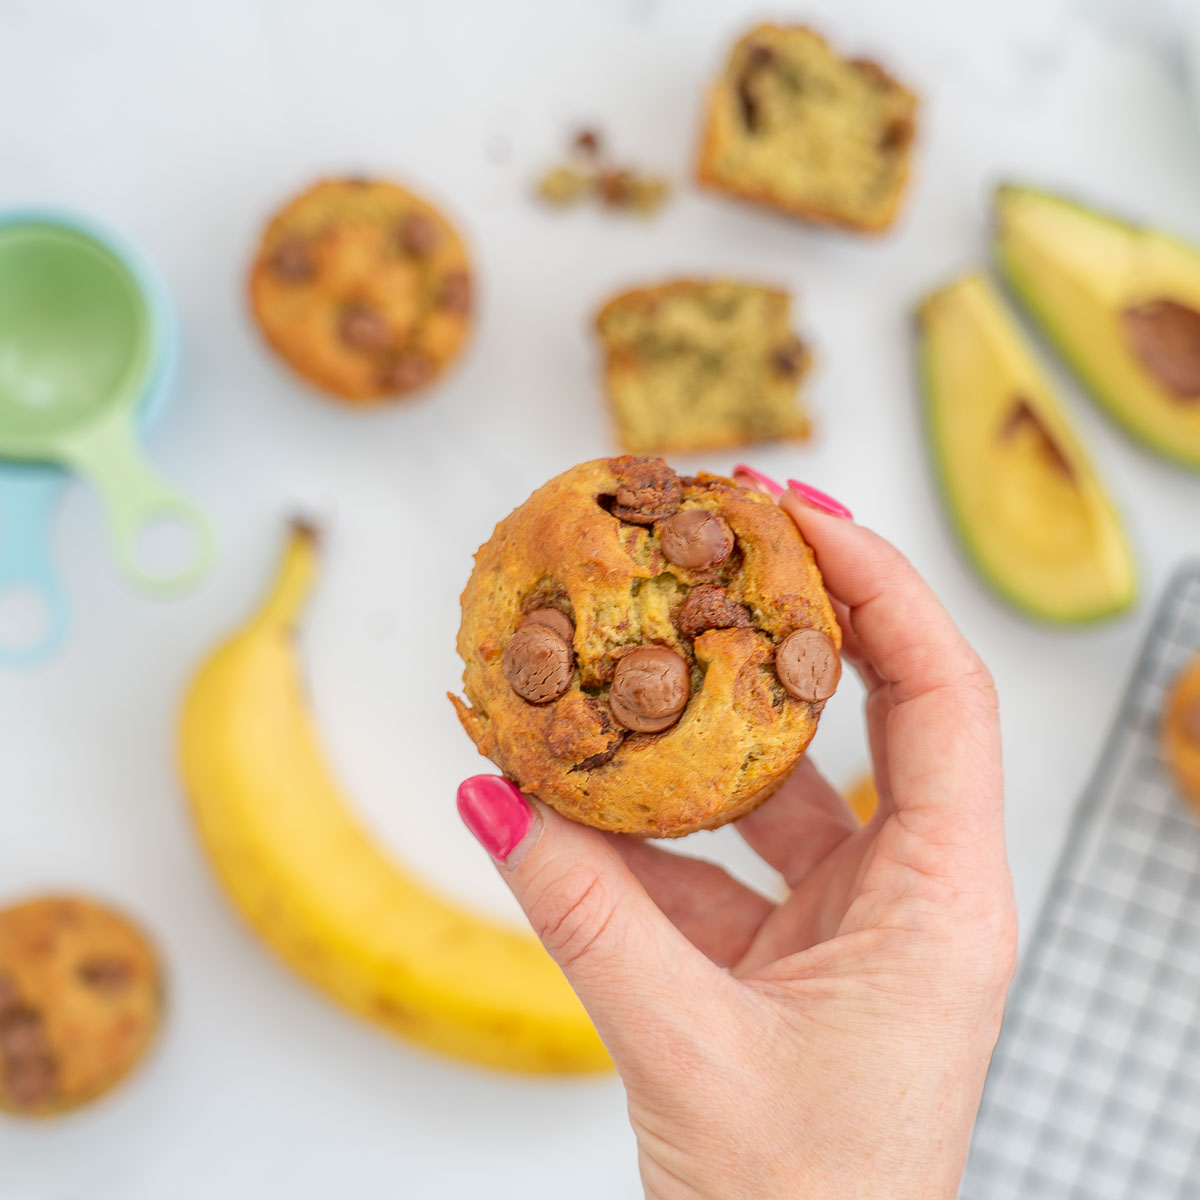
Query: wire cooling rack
[[1094, 1090]]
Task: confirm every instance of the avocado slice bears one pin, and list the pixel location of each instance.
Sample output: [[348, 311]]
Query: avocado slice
[[1022, 495], [1121, 303]]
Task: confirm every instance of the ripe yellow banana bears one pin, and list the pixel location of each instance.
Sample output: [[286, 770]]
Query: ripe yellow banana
[[310, 881]]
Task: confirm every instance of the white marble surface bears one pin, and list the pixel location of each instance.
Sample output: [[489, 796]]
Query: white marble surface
[[184, 125]]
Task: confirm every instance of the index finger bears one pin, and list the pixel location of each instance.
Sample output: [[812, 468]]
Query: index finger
[[942, 728]]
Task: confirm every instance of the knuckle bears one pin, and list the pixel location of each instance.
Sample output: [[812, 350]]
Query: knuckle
[[571, 918]]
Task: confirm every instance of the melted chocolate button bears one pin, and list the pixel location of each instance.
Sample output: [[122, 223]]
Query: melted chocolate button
[[553, 620], [1189, 722], [455, 293], [537, 664], [807, 664], [293, 260], [647, 490], [650, 689], [410, 369], [696, 539], [364, 328], [419, 235]]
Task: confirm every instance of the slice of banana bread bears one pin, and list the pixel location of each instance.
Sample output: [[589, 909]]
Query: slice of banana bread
[[695, 365], [793, 126]]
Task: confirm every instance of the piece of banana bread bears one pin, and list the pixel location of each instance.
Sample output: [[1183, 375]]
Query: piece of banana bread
[[793, 126], [696, 365]]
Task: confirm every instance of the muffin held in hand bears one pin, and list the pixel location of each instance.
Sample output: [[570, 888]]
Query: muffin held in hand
[[80, 1001], [792, 125], [364, 288], [645, 652]]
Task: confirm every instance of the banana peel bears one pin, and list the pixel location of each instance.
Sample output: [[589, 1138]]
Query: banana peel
[[312, 884]]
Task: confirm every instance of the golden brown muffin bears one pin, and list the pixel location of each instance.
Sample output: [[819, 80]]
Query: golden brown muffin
[[364, 288], [80, 1001], [1181, 730], [795, 127], [645, 652], [697, 365]]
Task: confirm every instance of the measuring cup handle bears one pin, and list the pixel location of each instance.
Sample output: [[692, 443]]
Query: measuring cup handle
[[26, 507], [135, 496]]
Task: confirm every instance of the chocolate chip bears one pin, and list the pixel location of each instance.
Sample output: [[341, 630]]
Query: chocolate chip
[[709, 607], [808, 665], [21, 1033], [1189, 722], [538, 664], [10, 994], [455, 293], [650, 689], [364, 328], [1164, 336], [553, 620], [758, 58], [32, 1081], [897, 133], [407, 371], [647, 490], [696, 539], [293, 260], [759, 55], [616, 188], [419, 235], [108, 975], [788, 358]]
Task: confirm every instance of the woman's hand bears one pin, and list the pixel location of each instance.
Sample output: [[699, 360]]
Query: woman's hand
[[843, 1053]]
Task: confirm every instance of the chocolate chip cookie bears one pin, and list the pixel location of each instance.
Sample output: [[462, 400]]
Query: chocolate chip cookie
[[364, 288], [1181, 730], [646, 652], [80, 1000]]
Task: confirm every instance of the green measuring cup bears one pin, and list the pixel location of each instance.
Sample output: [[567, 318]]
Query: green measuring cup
[[76, 352]]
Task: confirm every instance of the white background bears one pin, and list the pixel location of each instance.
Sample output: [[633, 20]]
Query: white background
[[184, 125]]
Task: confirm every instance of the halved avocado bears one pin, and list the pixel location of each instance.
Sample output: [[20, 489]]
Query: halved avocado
[[1021, 493], [1122, 304]]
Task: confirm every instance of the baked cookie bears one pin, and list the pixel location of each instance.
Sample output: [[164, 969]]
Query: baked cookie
[[1181, 730], [364, 288], [696, 365], [793, 126], [80, 1000], [645, 652]]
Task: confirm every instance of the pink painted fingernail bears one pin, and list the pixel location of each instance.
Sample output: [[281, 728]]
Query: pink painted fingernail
[[753, 478], [496, 813], [818, 499]]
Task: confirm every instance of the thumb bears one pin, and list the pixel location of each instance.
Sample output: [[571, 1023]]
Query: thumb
[[618, 951]]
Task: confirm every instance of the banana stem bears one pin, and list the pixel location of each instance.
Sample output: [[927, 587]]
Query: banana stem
[[293, 584]]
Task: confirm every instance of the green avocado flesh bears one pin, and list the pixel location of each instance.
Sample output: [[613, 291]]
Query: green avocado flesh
[[1022, 494], [1121, 303]]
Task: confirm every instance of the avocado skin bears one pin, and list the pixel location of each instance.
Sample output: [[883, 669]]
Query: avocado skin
[[1117, 407], [1016, 598]]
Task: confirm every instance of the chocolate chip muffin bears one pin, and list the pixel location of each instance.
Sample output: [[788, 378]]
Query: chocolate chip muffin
[[364, 288], [695, 365], [80, 1000], [1181, 730], [645, 652], [794, 126]]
